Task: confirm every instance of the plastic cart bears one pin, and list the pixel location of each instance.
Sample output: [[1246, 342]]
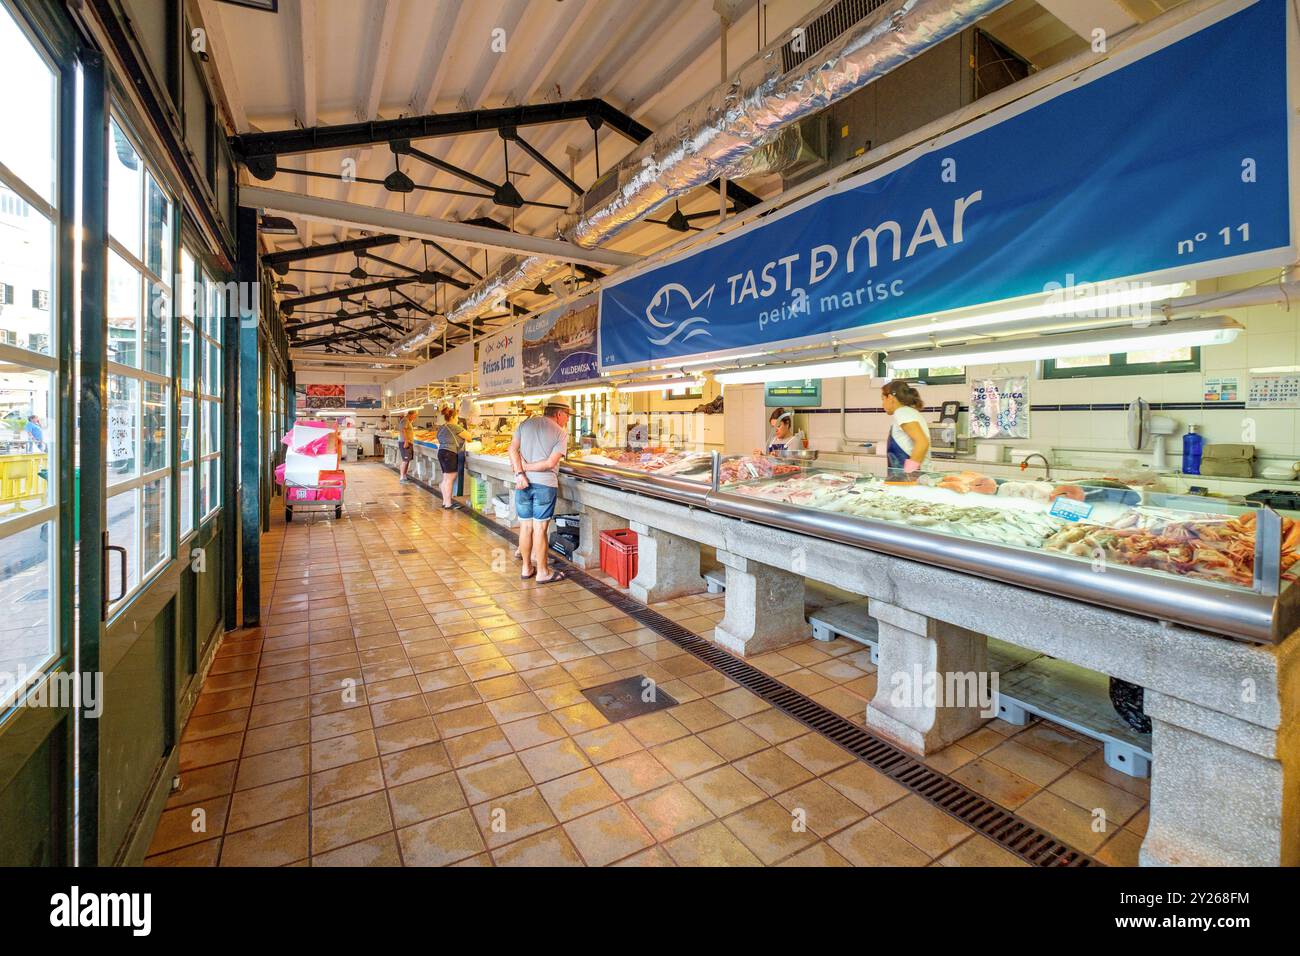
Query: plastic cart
[[325, 495]]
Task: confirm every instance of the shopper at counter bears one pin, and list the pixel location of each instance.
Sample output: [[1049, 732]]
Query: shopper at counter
[[452, 436], [406, 442], [909, 435], [535, 452]]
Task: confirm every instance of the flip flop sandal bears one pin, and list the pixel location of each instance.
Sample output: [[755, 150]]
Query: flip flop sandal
[[555, 576], [525, 577]]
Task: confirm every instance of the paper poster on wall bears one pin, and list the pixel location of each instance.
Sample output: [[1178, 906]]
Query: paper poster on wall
[[560, 345], [1222, 388], [325, 396], [121, 431], [999, 407], [363, 396], [500, 362]]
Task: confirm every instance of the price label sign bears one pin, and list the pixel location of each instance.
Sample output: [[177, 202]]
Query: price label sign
[[1069, 509]]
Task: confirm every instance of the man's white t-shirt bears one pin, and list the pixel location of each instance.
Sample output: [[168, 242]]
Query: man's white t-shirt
[[902, 415]]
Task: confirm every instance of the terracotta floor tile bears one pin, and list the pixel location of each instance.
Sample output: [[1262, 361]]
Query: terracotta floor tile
[[262, 805], [870, 789], [440, 841], [337, 751], [272, 767], [377, 851], [409, 733], [533, 731], [550, 848], [635, 774], [414, 763], [725, 790], [770, 831], [345, 782], [824, 810], [214, 750], [924, 825], [772, 770], [712, 845], [494, 778], [463, 720], [608, 835], [274, 844], [477, 746], [1093, 794], [555, 759], [578, 794], [815, 752], [1033, 765], [871, 843], [425, 798], [1065, 820], [505, 819], [978, 851], [207, 853], [997, 783], [349, 821], [203, 783], [193, 823], [686, 756], [670, 811], [817, 855]]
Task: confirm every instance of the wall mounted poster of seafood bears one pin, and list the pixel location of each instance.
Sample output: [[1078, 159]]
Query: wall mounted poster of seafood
[[559, 346]]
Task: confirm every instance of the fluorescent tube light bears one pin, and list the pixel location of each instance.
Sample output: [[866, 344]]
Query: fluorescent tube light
[[660, 385], [712, 361], [1275, 370], [833, 368], [1066, 305], [1211, 330]]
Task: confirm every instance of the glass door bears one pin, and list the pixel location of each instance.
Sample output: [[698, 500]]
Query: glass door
[[38, 686]]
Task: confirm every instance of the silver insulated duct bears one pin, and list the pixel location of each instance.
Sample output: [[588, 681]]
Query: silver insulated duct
[[736, 130]]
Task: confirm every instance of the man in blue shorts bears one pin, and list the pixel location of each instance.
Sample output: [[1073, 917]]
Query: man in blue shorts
[[535, 452]]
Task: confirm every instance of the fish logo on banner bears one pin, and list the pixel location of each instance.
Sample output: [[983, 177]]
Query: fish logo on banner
[[675, 299]]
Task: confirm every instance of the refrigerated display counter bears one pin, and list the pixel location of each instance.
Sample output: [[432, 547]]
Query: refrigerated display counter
[[1172, 557]]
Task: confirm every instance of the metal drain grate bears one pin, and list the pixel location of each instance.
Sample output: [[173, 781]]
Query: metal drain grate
[[406, 551], [1000, 825]]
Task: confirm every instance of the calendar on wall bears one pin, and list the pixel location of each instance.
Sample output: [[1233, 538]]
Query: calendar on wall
[[1274, 391]]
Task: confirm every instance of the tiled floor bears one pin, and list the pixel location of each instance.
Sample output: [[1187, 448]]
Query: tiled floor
[[410, 701]]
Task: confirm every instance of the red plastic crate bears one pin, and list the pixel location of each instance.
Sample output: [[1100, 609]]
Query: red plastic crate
[[618, 550]]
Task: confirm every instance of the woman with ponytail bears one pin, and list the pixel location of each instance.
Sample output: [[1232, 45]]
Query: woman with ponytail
[[909, 435]]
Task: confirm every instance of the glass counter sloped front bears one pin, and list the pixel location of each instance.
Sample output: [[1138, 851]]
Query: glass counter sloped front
[[1180, 558], [678, 474]]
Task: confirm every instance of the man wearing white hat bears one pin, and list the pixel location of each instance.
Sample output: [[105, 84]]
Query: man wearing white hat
[[535, 452]]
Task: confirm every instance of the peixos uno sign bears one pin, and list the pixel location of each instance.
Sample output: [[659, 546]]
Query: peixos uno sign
[[500, 363], [1171, 159]]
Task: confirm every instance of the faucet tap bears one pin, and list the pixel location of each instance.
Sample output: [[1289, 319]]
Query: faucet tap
[[1047, 466]]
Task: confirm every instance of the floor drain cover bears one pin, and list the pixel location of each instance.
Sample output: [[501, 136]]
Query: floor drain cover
[[406, 551], [629, 697]]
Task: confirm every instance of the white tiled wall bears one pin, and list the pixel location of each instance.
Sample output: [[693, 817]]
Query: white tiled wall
[[1272, 338]]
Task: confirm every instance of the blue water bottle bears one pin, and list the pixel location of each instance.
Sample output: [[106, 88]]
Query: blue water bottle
[[1193, 447]]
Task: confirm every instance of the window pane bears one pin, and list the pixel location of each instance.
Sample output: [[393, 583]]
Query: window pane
[[26, 436], [123, 433], [157, 325], [155, 427], [125, 191], [123, 531], [187, 428], [124, 288], [185, 306], [185, 493], [211, 368], [27, 636], [945, 371], [1084, 361], [214, 308], [210, 492], [211, 427], [187, 357], [1183, 354], [26, 110], [158, 253], [26, 274], [156, 536]]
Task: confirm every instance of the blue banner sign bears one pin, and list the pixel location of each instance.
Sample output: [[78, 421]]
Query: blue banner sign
[[559, 346], [1167, 161]]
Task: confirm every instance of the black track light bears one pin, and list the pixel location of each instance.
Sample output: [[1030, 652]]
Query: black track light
[[678, 222], [277, 226]]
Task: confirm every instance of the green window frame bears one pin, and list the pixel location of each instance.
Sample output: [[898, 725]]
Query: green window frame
[[922, 375], [1120, 365]]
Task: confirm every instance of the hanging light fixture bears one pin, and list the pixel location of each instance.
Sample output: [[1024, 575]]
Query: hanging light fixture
[[359, 272]]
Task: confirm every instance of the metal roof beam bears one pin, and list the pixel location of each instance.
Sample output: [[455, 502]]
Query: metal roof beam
[[356, 216], [327, 249]]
